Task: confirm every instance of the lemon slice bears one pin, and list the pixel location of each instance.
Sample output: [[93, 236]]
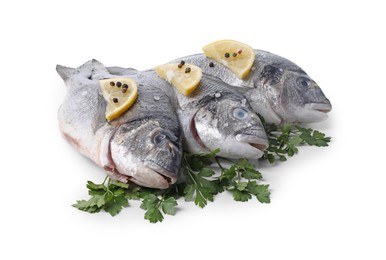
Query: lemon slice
[[184, 77], [120, 94], [237, 56]]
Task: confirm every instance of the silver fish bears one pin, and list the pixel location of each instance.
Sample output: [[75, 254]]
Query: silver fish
[[276, 88], [143, 146], [213, 116]]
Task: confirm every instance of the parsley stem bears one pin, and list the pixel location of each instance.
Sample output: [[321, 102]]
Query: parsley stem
[[158, 204], [219, 164], [189, 171], [105, 180], [191, 176], [108, 187]]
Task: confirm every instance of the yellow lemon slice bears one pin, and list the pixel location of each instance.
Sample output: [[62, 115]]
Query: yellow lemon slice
[[237, 56], [120, 94], [184, 77]]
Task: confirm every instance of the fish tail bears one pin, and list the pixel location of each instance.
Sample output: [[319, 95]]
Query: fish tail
[[86, 70], [65, 72]]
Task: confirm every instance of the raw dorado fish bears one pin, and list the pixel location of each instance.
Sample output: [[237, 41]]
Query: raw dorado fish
[[142, 146], [276, 88]]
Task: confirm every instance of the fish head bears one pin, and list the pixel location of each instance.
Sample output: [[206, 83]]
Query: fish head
[[293, 95], [303, 98], [231, 126], [149, 151]]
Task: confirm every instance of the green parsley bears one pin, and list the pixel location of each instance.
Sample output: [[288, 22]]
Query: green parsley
[[284, 140], [241, 179], [111, 197], [199, 184], [153, 205]]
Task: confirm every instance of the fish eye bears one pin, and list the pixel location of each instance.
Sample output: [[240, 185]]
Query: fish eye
[[240, 113], [160, 138], [303, 82]]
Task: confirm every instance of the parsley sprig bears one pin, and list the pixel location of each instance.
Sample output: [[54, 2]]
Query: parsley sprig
[[200, 183], [284, 140], [153, 205], [111, 197], [241, 179]]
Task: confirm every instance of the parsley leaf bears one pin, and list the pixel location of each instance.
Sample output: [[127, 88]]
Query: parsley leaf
[[89, 205], [241, 195], [115, 205], [169, 206], [262, 193]]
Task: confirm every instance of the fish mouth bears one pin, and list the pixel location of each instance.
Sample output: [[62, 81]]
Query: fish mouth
[[261, 147], [162, 178], [258, 143], [314, 112], [319, 107], [148, 175]]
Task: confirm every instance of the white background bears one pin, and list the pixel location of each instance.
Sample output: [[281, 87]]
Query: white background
[[327, 203]]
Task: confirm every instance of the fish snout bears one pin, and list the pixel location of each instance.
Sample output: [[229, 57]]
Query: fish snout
[[257, 140], [170, 174], [167, 161]]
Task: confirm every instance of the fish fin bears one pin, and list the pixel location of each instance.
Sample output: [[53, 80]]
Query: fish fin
[[65, 72], [99, 71], [97, 65], [86, 69], [121, 71], [272, 116]]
